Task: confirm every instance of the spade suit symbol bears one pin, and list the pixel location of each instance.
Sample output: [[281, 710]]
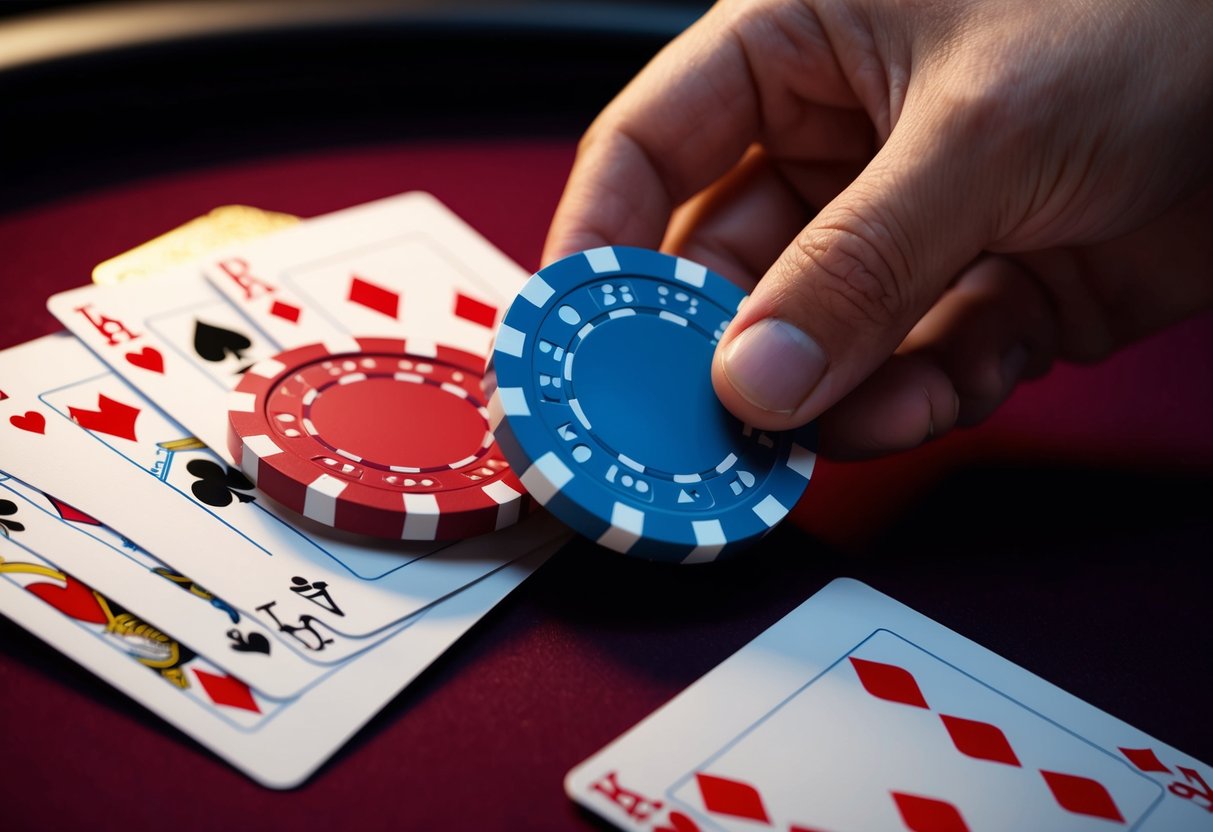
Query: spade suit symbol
[[213, 343]]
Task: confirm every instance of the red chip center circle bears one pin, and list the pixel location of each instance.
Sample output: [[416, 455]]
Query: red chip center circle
[[390, 422], [376, 438]]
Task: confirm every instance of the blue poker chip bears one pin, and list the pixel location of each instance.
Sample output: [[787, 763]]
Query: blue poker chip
[[601, 395]]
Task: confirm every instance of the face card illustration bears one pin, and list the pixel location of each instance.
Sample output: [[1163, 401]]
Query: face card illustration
[[297, 581], [403, 267], [279, 744], [234, 639], [114, 627], [855, 713]]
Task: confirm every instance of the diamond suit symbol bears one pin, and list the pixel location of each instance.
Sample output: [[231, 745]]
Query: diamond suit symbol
[[980, 739], [1082, 795], [374, 297], [887, 681], [731, 797], [926, 814], [225, 690], [285, 311], [475, 311], [1145, 759]]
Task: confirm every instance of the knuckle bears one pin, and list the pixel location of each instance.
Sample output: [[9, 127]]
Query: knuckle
[[599, 129], [852, 279]]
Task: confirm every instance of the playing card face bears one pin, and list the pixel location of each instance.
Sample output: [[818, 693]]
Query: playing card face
[[855, 713], [278, 743], [95, 554], [403, 267], [116, 627], [326, 593], [175, 339], [181, 345]]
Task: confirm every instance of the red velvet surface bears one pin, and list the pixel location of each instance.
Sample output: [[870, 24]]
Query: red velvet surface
[[1070, 533]]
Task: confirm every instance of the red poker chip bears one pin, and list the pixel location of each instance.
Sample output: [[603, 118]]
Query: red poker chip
[[379, 437]]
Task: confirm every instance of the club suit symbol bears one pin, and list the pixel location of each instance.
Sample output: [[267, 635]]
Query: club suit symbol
[[217, 486], [7, 526]]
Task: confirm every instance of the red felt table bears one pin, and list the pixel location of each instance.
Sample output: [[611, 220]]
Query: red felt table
[[1071, 534]]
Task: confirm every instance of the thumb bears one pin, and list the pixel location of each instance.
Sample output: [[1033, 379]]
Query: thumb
[[843, 295]]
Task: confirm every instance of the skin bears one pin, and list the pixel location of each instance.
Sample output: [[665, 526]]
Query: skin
[[937, 198]]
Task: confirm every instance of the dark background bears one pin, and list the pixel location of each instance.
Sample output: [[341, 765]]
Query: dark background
[[181, 88]]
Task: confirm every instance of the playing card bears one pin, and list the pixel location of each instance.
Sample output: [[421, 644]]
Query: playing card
[[856, 713], [180, 343], [118, 627], [323, 590], [402, 267], [279, 744], [221, 226], [174, 338], [98, 556]]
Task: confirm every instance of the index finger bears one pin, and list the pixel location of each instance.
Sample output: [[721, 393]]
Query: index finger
[[687, 118]]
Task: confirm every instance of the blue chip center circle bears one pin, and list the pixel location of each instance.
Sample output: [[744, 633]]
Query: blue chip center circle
[[658, 404], [601, 395]]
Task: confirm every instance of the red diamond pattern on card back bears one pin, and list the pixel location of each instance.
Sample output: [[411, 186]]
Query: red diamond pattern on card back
[[285, 311], [224, 690], [374, 297], [926, 814], [731, 797], [887, 681], [1082, 795], [475, 311], [980, 739], [1145, 759]]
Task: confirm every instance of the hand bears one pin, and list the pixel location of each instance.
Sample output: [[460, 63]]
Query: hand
[[934, 198]]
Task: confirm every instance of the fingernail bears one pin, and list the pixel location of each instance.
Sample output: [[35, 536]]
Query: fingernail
[[774, 365]]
